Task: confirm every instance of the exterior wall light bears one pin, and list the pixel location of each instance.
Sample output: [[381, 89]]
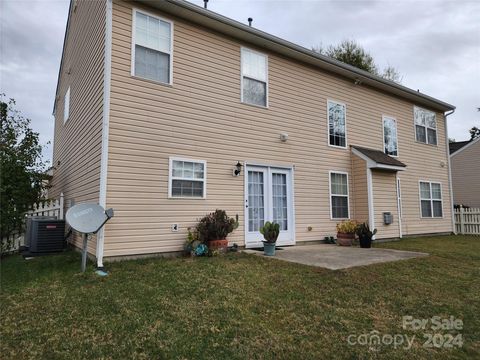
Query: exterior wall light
[[283, 137], [238, 169]]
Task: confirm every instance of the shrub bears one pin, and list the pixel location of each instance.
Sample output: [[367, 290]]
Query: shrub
[[270, 231], [347, 227], [215, 226]]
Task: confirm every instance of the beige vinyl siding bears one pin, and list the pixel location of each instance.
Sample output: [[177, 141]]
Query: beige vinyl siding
[[359, 195], [385, 200], [466, 175], [201, 117], [77, 143]]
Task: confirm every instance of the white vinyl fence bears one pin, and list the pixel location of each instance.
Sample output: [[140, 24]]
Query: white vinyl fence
[[50, 208], [47, 208], [467, 221]]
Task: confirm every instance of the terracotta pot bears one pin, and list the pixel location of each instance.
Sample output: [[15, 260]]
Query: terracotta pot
[[344, 239], [221, 245]]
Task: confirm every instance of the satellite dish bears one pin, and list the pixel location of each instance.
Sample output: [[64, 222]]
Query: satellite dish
[[87, 218]]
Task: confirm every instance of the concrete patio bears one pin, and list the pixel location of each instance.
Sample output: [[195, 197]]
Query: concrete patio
[[335, 257]]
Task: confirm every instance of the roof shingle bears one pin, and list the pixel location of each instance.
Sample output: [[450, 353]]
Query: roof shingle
[[379, 156]]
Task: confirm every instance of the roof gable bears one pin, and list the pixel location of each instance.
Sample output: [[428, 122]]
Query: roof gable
[[464, 145], [378, 159]]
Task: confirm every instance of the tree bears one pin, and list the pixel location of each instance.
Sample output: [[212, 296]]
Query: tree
[[350, 52], [474, 132], [22, 171]]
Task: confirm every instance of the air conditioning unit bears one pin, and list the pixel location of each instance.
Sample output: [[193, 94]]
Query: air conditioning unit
[[28, 228], [46, 236]]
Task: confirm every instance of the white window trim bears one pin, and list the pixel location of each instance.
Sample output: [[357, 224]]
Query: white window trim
[[66, 114], [132, 62], [171, 178], [431, 199], [383, 132], [330, 193], [426, 127], [242, 50], [328, 124]]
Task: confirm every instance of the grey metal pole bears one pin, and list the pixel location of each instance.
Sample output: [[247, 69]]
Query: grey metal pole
[[84, 252]]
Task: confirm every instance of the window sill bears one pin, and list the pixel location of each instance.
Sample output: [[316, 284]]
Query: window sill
[[422, 143], [338, 147], [170, 85], [186, 197], [256, 106]]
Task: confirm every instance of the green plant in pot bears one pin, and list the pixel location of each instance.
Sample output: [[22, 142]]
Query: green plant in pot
[[270, 232], [346, 232], [214, 228], [365, 235]]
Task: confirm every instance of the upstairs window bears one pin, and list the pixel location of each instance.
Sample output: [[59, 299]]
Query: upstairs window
[[390, 136], [425, 126], [187, 178], [66, 106], [431, 199], [337, 135], [339, 195], [254, 78], [152, 48]]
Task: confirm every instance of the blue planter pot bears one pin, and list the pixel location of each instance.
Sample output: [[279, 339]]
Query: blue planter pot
[[269, 249]]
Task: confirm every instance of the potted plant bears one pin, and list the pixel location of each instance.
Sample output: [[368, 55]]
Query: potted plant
[[270, 232], [365, 235], [214, 228], [346, 232]]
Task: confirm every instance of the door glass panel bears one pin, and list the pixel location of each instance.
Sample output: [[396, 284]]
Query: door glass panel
[[256, 206], [279, 200]]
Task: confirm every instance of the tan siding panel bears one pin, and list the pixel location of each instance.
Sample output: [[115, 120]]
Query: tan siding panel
[[466, 176], [201, 117], [77, 143]]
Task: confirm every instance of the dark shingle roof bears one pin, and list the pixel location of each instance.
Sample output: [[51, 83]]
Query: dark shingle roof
[[379, 156], [455, 146]]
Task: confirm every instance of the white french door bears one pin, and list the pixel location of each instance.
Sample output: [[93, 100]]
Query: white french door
[[268, 197]]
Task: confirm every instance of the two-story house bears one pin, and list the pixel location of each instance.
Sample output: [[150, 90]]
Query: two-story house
[[158, 102]]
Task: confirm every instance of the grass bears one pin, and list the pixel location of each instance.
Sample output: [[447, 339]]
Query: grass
[[237, 307]]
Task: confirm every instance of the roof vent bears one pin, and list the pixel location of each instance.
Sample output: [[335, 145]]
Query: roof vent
[[250, 21], [205, 2]]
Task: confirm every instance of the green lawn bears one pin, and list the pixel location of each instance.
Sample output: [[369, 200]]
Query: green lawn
[[237, 306]]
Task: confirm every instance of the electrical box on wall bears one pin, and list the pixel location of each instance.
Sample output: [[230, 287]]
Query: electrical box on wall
[[387, 218]]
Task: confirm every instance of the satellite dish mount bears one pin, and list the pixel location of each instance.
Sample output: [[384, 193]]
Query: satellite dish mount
[[87, 219]]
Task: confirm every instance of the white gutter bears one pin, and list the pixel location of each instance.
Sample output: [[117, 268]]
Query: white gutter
[[450, 187], [107, 76]]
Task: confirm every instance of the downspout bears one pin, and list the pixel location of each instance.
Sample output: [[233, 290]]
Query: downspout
[[400, 231], [450, 188], [371, 210], [107, 75]]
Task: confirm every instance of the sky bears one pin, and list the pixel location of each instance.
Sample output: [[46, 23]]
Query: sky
[[435, 45]]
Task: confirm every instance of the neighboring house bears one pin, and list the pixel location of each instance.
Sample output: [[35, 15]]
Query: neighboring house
[[158, 101], [465, 163]]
